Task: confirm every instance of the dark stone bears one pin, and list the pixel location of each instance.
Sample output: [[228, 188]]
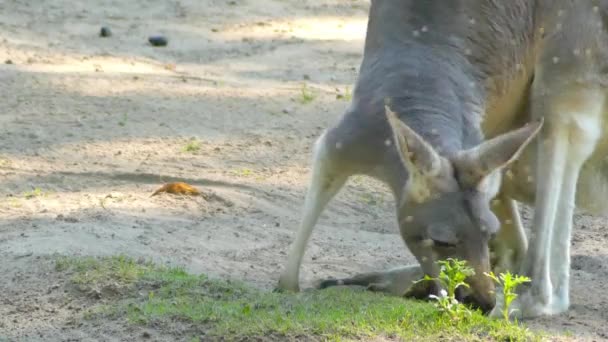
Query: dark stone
[[105, 32], [158, 40]]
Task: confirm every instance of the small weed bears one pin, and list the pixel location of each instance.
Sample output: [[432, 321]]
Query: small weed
[[346, 95], [192, 146], [92, 271], [452, 275], [357, 180], [123, 122], [36, 192], [306, 95], [5, 162], [509, 283], [370, 199], [245, 172], [15, 202]]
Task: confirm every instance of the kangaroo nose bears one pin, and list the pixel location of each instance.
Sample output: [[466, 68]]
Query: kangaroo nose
[[479, 296], [483, 303], [487, 303]]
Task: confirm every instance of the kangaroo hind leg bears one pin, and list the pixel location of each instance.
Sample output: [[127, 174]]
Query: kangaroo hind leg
[[573, 126]]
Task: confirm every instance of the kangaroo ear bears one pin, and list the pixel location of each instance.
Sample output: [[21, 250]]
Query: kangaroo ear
[[417, 155], [427, 170], [475, 164]]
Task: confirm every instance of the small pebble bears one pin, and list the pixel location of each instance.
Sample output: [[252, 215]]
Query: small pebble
[[105, 32], [158, 40], [8, 61]]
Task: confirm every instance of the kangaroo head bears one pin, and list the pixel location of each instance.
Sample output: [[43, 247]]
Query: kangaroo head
[[445, 208]]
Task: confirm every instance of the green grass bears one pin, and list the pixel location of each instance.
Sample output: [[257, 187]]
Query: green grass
[[5, 162], [158, 296], [243, 172], [346, 95], [92, 271], [192, 146], [36, 192], [123, 122], [307, 95]]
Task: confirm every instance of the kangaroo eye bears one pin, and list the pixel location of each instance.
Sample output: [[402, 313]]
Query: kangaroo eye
[[444, 244]]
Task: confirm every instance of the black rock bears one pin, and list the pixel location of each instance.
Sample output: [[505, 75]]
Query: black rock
[[158, 40], [105, 32]]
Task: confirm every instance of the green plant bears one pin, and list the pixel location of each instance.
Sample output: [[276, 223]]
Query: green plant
[[36, 192], [123, 121], [192, 146], [346, 95], [306, 95], [509, 283], [370, 199], [244, 172], [4, 162], [452, 275]]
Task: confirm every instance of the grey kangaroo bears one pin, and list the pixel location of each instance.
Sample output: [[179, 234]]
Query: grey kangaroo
[[449, 99]]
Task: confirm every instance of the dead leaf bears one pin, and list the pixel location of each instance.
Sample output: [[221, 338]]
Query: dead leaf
[[177, 188]]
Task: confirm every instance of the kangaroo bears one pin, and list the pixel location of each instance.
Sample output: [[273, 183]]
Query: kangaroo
[[470, 84]]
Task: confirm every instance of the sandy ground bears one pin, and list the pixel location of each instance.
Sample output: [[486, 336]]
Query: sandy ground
[[97, 124]]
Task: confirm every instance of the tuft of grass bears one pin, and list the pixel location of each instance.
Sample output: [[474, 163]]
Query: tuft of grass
[[5, 162], [14, 202], [92, 271], [346, 95], [232, 310], [371, 199], [306, 95], [192, 146], [123, 122], [36, 192], [244, 172]]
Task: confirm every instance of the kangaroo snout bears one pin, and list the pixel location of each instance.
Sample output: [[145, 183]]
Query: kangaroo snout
[[481, 294]]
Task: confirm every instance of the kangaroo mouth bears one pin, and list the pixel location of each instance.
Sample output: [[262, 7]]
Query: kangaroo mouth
[[466, 296], [474, 301]]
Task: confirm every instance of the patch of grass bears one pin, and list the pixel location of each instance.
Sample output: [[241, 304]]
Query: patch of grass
[[192, 146], [15, 203], [5, 162], [91, 271], [371, 199], [346, 95], [306, 94], [123, 122], [244, 172], [231, 310], [36, 192]]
